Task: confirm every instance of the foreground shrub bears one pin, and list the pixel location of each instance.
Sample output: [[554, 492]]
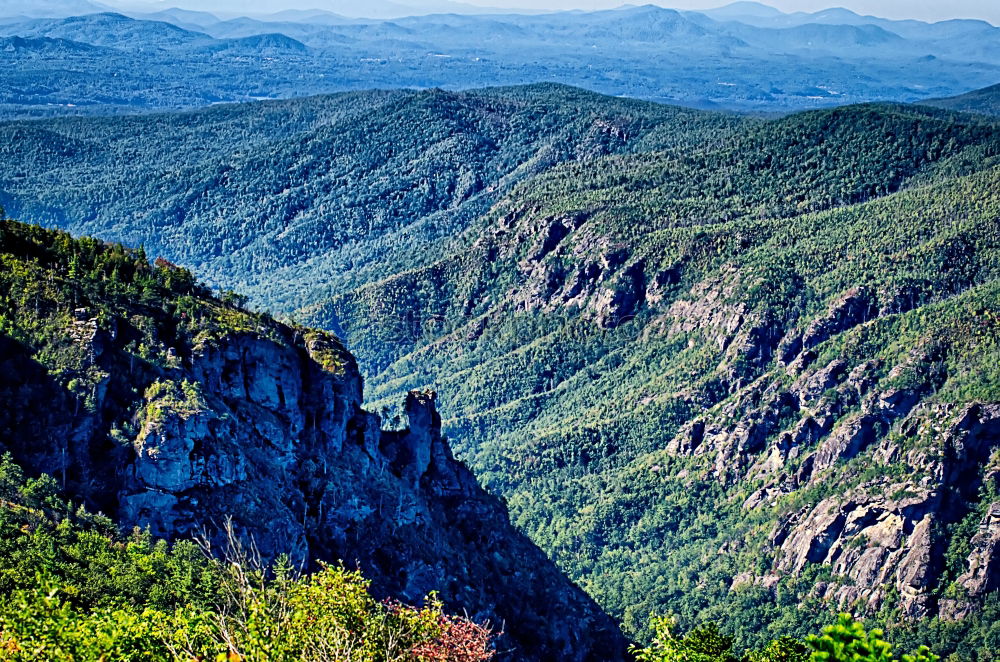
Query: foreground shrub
[[327, 616], [845, 641]]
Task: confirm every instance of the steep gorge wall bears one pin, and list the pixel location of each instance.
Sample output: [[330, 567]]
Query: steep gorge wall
[[832, 374], [184, 415], [263, 436]]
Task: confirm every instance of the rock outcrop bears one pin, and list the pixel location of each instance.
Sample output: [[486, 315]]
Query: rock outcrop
[[269, 434], [850, 309], [189, 415], [982, 571], [881, 529], [895, 472]]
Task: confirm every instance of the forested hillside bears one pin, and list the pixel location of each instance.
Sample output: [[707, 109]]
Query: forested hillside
[[288, 201], [731, 369], [985, 101], [753, 383]]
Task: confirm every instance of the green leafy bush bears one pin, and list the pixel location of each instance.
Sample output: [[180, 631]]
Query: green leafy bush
[[845, 641], [76, 590]]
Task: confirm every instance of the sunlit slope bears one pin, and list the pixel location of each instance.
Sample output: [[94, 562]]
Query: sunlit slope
[[667, 362]]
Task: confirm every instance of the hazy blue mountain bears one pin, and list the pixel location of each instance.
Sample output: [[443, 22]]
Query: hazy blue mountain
[[232, 8], [814, 37], [758, 15], [315, 35], [372, 9], [308, 16], [263, 44], [112, 30], [641, 24], [737, 11], [786, 62], [422, 7], [954, 29], [49, 8], [45, 46], [964, 39], [180, 17], [985, 101]]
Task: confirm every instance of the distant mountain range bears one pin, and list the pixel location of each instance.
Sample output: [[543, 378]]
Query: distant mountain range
[[761, 15], [743, 57], [49, 8], [371, 9], [753, 13]]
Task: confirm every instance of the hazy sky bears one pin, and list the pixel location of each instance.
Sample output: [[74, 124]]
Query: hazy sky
[[928, 10]]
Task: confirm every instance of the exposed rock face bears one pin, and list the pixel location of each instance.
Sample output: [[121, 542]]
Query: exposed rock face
[[270, 433], [269, 420], [606, 282], [850, 309], [895, 470], [877, 543], [982, 573], [846, 442], [622, 299], [883, 536], [419, 451]]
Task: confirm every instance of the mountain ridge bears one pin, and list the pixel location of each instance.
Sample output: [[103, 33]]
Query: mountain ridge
[[459, 150], [588, 49], [985, 101]]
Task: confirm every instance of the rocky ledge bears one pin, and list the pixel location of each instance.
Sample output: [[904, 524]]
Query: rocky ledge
[[266, 430]]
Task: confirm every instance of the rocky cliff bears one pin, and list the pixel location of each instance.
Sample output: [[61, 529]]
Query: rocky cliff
[[881, 487], [176, 411]]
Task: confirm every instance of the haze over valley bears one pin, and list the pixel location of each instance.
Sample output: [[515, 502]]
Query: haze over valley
[[741, 57]]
